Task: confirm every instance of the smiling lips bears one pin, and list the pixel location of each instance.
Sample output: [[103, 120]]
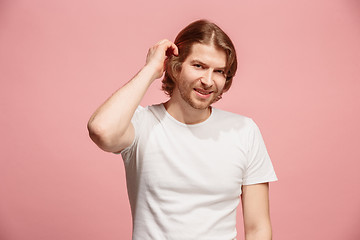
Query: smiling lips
[[203, 93]]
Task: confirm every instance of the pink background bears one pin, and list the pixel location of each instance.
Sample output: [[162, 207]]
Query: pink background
[[299, 68]]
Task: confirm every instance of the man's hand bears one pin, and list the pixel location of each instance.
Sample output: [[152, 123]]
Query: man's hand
[[158, 54]]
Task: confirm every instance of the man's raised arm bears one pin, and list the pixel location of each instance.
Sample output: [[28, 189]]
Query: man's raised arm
[[110, 125]]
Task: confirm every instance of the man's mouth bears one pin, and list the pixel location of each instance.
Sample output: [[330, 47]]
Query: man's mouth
[[202, 92]]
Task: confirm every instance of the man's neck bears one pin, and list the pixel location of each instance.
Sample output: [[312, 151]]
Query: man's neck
[[185, 113]]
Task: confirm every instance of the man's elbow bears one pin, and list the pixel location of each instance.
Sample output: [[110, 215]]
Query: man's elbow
[[101, 137], [260, 232]]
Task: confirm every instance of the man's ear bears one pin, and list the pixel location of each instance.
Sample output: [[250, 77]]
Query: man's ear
[[176, 74], [176, 71]]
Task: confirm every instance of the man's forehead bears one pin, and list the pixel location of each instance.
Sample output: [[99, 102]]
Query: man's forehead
[[207, 53]]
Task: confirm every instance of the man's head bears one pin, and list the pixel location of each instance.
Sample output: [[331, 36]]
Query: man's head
[[204, 32]]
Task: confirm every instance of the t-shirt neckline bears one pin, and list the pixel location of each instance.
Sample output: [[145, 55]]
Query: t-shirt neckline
[[168, 115]]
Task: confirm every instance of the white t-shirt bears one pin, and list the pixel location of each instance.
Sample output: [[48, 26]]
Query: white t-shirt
[[184, 181]]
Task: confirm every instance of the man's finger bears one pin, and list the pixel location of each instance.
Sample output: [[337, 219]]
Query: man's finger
[[175, 49], [171, 49]]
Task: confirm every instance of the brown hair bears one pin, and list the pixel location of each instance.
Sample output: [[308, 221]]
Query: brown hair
[[205, 32]]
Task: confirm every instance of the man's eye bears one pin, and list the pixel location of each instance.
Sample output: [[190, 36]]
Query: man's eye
[[197, 65], [220, 71]]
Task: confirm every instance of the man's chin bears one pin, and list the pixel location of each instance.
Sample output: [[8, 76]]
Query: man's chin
[[200, 105]]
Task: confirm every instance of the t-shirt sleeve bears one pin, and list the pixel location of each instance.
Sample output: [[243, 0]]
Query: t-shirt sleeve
[[136, 120], [260, 168]]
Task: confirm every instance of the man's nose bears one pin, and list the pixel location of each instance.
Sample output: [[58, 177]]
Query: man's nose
[[207, 78]]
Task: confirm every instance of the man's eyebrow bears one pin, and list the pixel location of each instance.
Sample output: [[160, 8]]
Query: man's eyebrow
[[198, 61], [204, 64]]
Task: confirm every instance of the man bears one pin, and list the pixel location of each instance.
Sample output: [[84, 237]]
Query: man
[[187, 163]]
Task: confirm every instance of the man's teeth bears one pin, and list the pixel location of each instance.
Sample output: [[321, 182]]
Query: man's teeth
[[202, 92]]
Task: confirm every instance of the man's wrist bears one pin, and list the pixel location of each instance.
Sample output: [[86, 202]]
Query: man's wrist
[[152, 71]]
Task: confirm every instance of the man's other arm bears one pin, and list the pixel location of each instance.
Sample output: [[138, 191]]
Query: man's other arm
[[110, 126], [255, 204]]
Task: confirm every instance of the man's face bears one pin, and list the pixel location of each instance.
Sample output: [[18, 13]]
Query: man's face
[[201, 79]]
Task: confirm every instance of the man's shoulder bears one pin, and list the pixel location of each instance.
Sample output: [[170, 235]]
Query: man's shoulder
[[230, 115], [155, 111], [227, 118], [149, 108]]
